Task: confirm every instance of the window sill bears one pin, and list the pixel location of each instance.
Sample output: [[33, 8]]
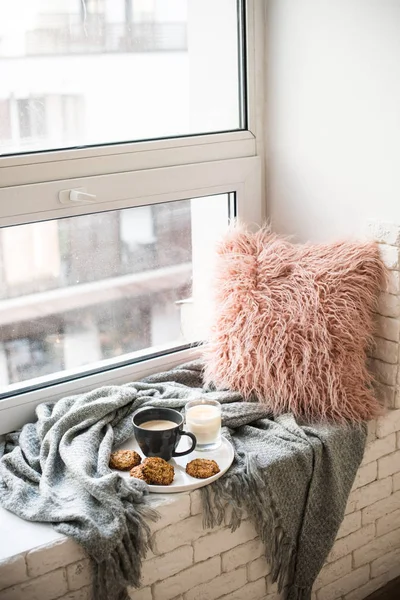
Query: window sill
[[37, 559], [24, 536]]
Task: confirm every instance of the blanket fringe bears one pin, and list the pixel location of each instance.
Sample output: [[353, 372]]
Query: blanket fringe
[[279, 549], [123, 567]]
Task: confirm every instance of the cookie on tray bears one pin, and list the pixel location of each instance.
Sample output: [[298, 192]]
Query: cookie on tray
[[124, 460], [157, 471], [137, 472], [202, 468]]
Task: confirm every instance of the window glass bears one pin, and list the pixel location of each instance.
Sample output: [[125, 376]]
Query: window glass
[[88, 72], [78, 291]]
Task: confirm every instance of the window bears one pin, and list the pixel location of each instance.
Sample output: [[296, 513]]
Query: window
[[142, 70], [5, 121], [32, 118], [26, 123], [80, 290], [127, 149]]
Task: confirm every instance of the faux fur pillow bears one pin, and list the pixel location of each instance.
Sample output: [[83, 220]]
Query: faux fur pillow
[[293, 323]]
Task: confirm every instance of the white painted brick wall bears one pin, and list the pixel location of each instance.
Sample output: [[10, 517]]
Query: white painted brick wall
[[393, 283], [388, 465], [372, 585], [350, 523], [385, 350], [371, 513], [13, 571], [160, 567], [79, 574], [220, 541], [384, 372], [389, 305], [384, 363], [376, 548], [334, 571], [272, 588], [188, 579], [386, 394], [345, 584], [389, 255], [142, 594], [84, 593], [46, 587], [222, 585], [256, 590], [371, 493], [383, 233], [388, 522], [240, 555], [385, 563], [388, 424], [350, 543], [351, 503], [366, 474], [172, 509], [195, 502], [176, 535], [388, 328], [45, 559], [371, 431], [378, 448], [258, 568]]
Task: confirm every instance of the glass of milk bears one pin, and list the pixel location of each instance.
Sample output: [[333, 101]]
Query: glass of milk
[[203, 419]]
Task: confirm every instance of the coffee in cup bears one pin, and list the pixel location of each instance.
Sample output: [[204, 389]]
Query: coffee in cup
[[158, 432]]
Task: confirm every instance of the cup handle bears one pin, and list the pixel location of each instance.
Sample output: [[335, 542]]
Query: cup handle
[[194, 442]]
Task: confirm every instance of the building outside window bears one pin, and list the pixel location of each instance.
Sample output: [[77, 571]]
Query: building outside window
[[125, 150]]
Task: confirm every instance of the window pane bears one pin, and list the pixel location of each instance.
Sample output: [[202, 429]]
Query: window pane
[[89, 72], [81, 291]]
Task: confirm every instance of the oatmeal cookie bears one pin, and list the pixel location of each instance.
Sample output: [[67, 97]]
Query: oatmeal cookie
[[123, 460], [157, 471], [137, 472], [201, 468]]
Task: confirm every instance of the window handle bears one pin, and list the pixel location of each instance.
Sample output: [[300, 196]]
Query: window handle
[[80, 195], [77, 195]]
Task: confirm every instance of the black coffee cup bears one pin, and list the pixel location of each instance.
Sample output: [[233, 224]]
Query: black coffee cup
[[162, 442]]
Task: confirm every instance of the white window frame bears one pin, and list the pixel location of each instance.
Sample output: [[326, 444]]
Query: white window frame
[[143, 173]]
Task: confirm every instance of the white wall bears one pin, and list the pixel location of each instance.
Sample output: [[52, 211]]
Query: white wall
[[333, 115]]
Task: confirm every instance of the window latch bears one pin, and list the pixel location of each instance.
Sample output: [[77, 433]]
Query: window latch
[[76, 195]]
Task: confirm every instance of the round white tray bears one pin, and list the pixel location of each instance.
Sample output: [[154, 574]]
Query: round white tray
[[183, 482]]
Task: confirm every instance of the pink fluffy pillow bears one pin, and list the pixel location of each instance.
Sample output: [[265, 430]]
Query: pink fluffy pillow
[[293, 323]]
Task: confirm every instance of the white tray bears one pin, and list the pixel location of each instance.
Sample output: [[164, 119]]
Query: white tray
[[183, 482]]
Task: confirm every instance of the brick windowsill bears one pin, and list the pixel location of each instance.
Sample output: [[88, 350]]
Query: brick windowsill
[[191, 563]]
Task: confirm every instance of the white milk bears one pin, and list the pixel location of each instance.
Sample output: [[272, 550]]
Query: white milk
[[204, 421]]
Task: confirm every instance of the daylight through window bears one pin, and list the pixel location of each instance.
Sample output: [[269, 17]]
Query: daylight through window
[[82, 72]]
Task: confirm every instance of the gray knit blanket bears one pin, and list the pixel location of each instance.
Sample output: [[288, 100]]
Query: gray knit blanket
[[292, 480]]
